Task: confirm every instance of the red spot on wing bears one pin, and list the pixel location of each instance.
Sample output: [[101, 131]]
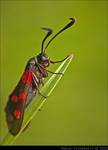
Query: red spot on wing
[[22, 96], [17, 113], [27, 77], [14, 98]]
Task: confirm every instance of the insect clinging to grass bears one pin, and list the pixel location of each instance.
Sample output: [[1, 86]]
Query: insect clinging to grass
[[29, 84]]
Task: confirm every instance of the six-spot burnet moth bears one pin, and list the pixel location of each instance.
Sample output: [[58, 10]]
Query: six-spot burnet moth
[[29, 84]]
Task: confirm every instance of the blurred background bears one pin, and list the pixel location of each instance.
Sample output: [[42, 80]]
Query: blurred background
[[76, 111]]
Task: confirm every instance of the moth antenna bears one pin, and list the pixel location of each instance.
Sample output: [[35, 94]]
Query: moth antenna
[[64, 28], [49, 32]]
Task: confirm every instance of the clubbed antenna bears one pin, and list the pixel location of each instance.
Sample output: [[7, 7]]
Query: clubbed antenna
[[49, 32], [66, 27]]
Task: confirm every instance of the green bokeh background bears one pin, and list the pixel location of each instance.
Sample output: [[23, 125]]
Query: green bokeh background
[[76, 111]]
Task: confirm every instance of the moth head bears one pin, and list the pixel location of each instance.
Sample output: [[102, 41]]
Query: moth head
[[43, 58]]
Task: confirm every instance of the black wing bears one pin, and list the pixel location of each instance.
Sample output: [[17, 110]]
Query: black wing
[[16, 105]]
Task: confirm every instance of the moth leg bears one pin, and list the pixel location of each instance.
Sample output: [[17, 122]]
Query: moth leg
[[55, 72], [51, 71], [53, 62], [41, 94], [35, 81], [41, 81]]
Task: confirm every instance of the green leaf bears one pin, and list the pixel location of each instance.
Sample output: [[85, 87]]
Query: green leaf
[[34, 107]]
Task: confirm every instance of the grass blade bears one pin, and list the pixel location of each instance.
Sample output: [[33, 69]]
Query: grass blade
[[34, 107]]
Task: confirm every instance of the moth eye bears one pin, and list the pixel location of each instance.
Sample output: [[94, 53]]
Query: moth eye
[[17, 113], [43, 58]]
